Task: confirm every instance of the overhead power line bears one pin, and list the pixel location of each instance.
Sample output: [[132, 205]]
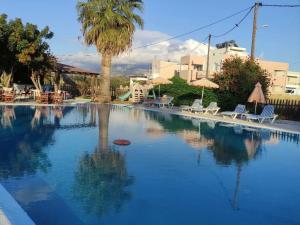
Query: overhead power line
[[235, 26], [195, 30], [283, 6], [201, 42]]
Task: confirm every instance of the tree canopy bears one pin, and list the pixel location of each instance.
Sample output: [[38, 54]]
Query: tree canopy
[[109, 25], [23, 48], [237, 80]]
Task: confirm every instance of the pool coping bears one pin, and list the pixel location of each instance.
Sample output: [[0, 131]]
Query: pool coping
[[11, 213]]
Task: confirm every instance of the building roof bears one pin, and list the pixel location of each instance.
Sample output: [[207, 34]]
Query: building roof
[[63, 68], [137, 76]]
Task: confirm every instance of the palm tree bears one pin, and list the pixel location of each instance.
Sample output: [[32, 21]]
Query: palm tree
[[109, 25]]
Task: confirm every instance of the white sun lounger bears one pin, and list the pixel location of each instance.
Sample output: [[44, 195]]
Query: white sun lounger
[[197, 104], [165, 102], [239, 110], [266, 114], [211, 108]]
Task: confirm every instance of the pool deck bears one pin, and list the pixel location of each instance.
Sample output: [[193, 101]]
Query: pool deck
[[287, 126]]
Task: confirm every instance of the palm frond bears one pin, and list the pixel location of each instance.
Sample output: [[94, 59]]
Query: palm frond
[[110, 24]]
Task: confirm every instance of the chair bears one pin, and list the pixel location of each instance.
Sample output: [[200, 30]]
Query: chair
[[212, 107], [1, 93], [165, 101], [58, 98], [44, 98], [8, 95], [239, 110], [197, 104], [266, 114], [9, 98]]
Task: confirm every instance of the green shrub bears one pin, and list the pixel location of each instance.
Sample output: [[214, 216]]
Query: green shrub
[[185, 94], [116, 81]]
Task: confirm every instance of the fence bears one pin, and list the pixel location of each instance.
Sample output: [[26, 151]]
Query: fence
[[286, 109], [288, 137]]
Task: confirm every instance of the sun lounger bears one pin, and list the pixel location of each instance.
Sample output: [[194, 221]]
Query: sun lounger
[[198, 109], [266, 114], [164, 102], [239, 110], [197, 104], [212, 108]]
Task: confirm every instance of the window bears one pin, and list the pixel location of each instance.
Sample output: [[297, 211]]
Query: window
[[198, 67], [279, 73]]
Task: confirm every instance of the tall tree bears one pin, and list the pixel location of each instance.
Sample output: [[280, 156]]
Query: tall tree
[[237, 79], [23, 47], [34, 52], [109, 25]]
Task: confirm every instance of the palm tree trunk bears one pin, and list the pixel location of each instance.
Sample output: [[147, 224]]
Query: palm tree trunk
[[105, 96]]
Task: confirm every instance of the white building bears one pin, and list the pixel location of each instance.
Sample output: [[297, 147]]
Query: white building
[[293, 83], [193, 67], [218, 55], [164, 69]]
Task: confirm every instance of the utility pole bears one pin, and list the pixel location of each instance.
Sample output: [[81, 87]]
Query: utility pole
[[207, 61], [256, 7]]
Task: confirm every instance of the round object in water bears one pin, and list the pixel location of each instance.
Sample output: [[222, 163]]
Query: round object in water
[[122, 142]]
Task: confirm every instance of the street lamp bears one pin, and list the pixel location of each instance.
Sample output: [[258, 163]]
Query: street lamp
[[263, 26]]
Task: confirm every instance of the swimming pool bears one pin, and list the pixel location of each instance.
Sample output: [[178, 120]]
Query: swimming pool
[[59, 163]]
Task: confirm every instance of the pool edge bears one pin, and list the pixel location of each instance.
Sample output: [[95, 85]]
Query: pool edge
[[11, 213]]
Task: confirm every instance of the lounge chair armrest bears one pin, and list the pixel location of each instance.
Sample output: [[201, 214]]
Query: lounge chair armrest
[[274, 118]]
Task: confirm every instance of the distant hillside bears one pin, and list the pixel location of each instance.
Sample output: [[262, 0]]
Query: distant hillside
[[117, 69]]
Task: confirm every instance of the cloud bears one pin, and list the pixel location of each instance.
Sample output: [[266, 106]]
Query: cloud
[[138, 58]]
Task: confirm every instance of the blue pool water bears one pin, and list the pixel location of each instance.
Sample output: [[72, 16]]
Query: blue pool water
[[62, 168]]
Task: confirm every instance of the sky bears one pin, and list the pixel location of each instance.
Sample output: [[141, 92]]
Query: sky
[[279, 41]]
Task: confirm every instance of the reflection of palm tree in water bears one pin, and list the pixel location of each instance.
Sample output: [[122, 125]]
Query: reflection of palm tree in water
[[102, 176], [103, 117]]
